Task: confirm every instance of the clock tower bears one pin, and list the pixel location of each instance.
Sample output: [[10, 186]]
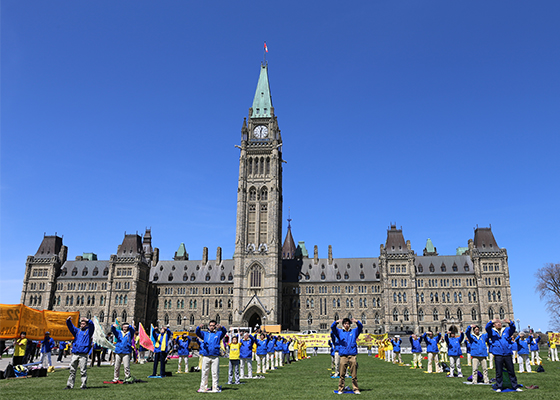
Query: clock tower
[[258, 248]]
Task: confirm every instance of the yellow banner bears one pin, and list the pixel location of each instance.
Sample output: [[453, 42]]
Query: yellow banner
[[16, 318], [554, 338], [322, 339]]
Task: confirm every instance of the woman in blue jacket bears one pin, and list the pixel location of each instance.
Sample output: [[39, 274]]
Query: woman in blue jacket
[[183, 352], [455, 352], [246, 355], [479, 352], [523, 344], [397, 342], [46, 348], [499, 336], [535, 358], [416, 345], [262, 351], [432, 349], [123, 347], [162, 346]]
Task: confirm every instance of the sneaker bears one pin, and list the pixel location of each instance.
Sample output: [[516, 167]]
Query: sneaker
[[201, 390], [498, 390], [84, 387], [518, 389], [67, 387], [357, 392], [339, 392], [216, 391], [450, 376], [460, 376]]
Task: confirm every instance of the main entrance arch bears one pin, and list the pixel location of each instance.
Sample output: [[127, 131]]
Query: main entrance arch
[[253, 317]]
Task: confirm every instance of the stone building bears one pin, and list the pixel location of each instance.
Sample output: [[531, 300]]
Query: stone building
[[270, 282]]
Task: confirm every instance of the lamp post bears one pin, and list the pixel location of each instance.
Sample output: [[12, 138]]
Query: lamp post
[[184, 322], [518, 325]]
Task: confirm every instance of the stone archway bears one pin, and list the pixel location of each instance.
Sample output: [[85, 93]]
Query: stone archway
[[253, 317], [254, 320]]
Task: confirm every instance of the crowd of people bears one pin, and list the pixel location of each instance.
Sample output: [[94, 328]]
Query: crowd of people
[[496, 346]]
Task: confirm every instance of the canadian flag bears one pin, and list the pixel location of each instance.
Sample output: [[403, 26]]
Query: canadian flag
[[265, 47]]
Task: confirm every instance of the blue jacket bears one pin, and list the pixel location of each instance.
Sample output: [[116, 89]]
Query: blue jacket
[[431, 344], [535, 343], [246, 349], [500, 340], [286, 347], [212, 340], [124, 341], [468, 344], [161, 341], [262, 345], [61, 345], [522, 345], [454, 345], [347, 339], [82, 338], [271, 345], [478, 343], [335, 343], [183, 346], [416, 345], [278, 346], [396, 344], [47, 345]]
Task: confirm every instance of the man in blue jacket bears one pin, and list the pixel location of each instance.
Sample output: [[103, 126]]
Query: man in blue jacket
[[246, 355], [262, 351], [455, 352], [523, 346], [416, 346], [46, 347], [397, 342], [81, 347], [183, 352], [348, 350], [499, 337], [534, 346], [270, 347], [211, 359], [123, 347], [479, 352], [162, 345], [433, 350]]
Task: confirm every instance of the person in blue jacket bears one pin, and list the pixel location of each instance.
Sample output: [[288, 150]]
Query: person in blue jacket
[[416, 345], [523, 346], [246, 355], [499, 336], [270, 348], [61, 349], [262, 351], [211, 340], [278, 352], [46, 347], [432, 350], [469, 356], [123, 347], [479, 352], [162, 345], [535, 358], [455, 352], [286, 350], [183, 352], [81, 346], [348, 350], [397, 342]]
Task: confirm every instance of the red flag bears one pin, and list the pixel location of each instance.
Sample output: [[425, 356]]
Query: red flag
[[144, 339], [265, 47]]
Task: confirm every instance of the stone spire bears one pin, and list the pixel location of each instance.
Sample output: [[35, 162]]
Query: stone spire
[[289, 247], [262, 103]]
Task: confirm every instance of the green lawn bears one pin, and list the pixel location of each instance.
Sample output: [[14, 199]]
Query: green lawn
[[308, 379]]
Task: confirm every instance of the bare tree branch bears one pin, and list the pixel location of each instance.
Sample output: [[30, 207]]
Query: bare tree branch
[[548, 288]]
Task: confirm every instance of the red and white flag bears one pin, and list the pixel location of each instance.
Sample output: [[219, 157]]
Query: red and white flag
[[265, 47]]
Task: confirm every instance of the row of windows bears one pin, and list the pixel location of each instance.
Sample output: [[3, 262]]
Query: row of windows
[[85, 271], [395, 283], [207, 278], [258, 166], [490, 267], [497, 281], [398, 269], [443, 268], [40, 272], [37, 286], [181, 320], [494, 296]]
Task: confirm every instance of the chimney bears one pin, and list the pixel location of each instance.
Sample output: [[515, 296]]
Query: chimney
[[205, 256], [316, 255], [219, 256], [330, 254]]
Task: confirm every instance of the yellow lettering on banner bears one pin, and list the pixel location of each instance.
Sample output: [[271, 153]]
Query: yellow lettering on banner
[[9, 320], [15, 318]]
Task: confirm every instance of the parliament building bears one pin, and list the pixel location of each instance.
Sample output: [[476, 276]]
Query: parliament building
[[270, 281]]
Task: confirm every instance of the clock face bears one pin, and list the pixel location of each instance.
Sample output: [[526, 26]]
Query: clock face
[[260, 132]]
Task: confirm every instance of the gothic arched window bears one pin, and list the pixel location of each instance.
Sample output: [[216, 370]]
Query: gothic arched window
[[473, 314], [436, 315], [421, 315], [395, 315], [255, 277], [406, 315]]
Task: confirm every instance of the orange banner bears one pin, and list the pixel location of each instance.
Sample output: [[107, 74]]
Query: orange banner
[[16, 318]]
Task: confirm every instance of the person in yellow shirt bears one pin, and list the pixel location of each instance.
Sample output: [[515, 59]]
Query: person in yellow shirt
[[234, 360], [20, 345], [388, 350], [381, 351]]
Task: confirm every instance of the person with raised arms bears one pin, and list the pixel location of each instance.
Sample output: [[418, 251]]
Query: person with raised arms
[[433, 350], [211, 341], [81, 346], [162, 345], [262, 351], [397, 342], [183, 351], [246, 355], [499, 337], [416, 346], [479, 352], [123, 347], [348, 350], [455, 352]]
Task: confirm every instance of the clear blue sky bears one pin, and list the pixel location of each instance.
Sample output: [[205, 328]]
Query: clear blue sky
[[436, 115]]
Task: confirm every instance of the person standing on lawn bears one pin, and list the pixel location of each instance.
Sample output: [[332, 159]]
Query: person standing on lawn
[[246, 355], [211, 340], [81, 346], [499, 335], [183, 352], [397, 342], [534, 343], [523, 344], [46, 348], [234, 356], [433, 350], [479, 352], [348, 350], [123, 349], [455, 352], [415, 344], [162, 345], [262, 351]]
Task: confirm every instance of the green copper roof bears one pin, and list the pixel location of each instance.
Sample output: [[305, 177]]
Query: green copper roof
[[301, 247], [461, 250], [182, 250], [89, 256], [430, 246], [262, 101]]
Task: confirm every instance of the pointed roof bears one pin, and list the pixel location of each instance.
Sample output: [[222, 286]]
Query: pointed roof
[[484, 240], [395, 241], [289, 247], [301, 250], [50, 246], [181, 253], [262, 103], [430, 249]]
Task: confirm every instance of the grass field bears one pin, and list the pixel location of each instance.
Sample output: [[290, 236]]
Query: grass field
[[307, 379]]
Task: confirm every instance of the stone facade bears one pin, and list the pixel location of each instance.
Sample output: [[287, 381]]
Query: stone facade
[[268, 282]]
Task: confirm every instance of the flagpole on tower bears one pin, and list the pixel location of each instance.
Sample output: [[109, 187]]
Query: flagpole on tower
[[265, 50]]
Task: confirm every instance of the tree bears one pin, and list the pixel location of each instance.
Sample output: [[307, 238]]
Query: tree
[[548, 288]]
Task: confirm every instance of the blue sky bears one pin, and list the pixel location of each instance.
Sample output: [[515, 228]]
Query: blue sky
[[437, 116]]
